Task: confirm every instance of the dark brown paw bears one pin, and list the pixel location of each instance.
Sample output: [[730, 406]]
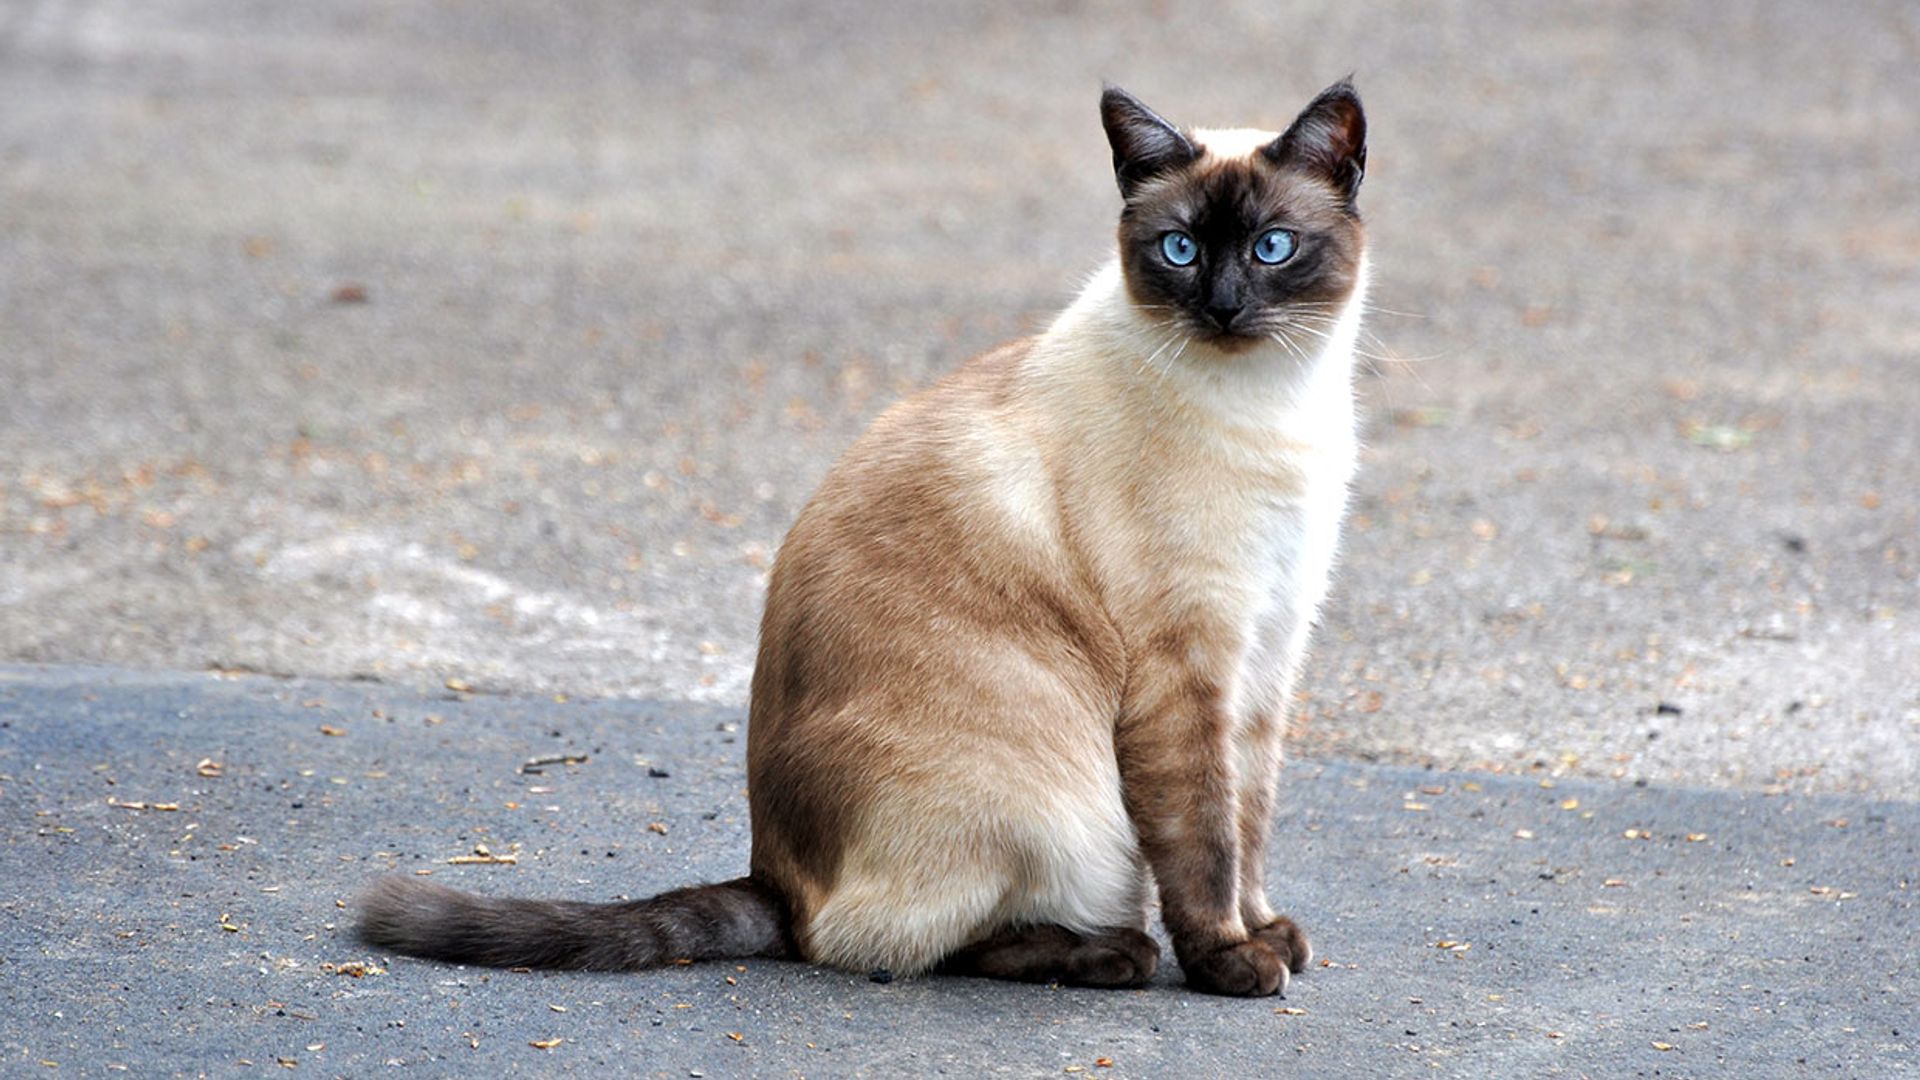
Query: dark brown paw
[[1243, 969], [1285, 939], [1122, 957]]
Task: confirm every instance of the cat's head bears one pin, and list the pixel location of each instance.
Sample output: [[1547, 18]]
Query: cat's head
[[1238, 236]]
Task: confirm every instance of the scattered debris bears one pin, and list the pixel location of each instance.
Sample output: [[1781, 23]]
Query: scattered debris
[[354, 969], [482, 856], [168, 807], [1723, 437], [538, 765]]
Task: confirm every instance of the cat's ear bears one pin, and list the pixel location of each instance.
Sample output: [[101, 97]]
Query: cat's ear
[[1328, 139], [1144, 144]]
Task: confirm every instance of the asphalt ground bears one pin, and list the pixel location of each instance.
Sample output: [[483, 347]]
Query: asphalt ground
[[181, 853], [503, 341], [497, 344]]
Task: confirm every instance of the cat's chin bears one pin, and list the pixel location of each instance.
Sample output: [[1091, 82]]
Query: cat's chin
[[1232, 344]]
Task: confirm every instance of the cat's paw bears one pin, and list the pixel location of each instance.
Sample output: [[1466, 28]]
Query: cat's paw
[[1123, 957], [1283, 936], [1242, 969]]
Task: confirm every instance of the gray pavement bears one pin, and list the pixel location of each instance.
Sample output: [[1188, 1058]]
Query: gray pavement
[[499, 343], [171, 921], [633, 276]]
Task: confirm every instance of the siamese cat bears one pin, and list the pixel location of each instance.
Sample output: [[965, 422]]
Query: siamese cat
[[1028, 652]]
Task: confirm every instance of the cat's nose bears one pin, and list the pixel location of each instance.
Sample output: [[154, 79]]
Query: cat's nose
[[1223, 316]]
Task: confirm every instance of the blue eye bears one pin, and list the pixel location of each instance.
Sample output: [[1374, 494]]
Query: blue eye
[[1274, 246], [1179, 248]]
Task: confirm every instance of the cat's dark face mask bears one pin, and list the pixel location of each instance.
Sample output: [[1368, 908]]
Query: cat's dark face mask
[[1245, 244]]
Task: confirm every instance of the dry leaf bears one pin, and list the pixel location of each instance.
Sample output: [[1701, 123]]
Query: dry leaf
[[482, 856], [357, 969]]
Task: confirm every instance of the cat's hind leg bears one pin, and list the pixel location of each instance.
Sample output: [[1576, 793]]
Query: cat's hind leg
[[1119, 956]]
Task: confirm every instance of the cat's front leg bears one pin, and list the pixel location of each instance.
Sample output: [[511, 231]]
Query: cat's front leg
[[1174, 744], [1257, 751]]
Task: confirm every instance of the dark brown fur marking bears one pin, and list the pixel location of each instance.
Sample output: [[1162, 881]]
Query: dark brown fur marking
[[419, 918], [1118, 956]]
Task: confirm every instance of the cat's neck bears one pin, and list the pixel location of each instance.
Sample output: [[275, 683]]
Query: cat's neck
[[1133, 351]]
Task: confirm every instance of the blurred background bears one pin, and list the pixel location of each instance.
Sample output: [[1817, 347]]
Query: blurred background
[[496, 344]]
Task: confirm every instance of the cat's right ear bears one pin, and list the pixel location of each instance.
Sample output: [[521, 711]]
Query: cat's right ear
[[1144, 144], [1328, 138]]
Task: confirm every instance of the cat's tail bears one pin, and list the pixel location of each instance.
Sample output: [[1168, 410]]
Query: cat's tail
[[737, 918]]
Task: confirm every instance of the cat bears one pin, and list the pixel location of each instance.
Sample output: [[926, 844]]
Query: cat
[[1028, 651]]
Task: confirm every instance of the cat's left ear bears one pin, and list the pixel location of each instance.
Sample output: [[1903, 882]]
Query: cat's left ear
[[1328, 139], [1144, 144]]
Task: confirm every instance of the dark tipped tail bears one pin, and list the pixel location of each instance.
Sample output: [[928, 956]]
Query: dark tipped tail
[[728, 919]]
